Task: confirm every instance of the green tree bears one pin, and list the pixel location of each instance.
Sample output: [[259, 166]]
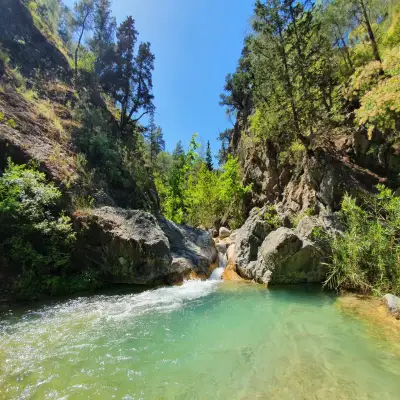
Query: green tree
[[209, 159], [178, 151], [155, 140], [225, 138], [82, 22], [65, 25], [103, 35], [132, 82], [237, 96], [50, 11]]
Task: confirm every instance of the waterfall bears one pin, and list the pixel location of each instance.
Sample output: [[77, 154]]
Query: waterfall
[[217, 273]]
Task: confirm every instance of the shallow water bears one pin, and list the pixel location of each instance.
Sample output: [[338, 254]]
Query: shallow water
[[203, 340]]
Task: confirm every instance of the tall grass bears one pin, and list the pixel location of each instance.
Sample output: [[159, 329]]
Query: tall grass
[[366, 257]]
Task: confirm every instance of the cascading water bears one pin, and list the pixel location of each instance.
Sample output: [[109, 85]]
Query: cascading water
[[217, 273]]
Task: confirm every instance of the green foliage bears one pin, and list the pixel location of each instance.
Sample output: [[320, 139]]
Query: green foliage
[[49, 11], [114, 164], [366, 257], [294, 154], [87, 62], [192, 193], [213, 195], [380, 107], [36, 238], [11, 123], [363, 79], [271, 217], [154, 140], [311, 67], [83, 203], [4, 57]]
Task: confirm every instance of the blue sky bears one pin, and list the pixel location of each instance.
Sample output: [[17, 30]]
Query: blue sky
[[196, 43]]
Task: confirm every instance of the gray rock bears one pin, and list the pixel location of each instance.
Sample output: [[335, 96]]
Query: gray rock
[[224, 232], [102, 199], [306, 226], [133, 246], [393, 303], [285, 258], [192, 244], [250, 237]]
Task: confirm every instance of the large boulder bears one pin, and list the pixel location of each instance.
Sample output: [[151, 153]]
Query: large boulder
[[249, 238], [133, 246], [192, 249], [284, 257]]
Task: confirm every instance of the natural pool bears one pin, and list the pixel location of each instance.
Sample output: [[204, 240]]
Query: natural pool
[[203, 340]]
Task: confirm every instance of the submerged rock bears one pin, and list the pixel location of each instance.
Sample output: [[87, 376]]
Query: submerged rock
[[393, 303], [133, 246], [230, 274]]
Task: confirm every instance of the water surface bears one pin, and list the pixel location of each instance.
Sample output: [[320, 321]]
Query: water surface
[[203, 340]]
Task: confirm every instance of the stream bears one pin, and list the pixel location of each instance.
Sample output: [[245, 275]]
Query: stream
[[201, 340]]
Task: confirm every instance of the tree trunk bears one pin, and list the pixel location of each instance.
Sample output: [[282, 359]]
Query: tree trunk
[[344, 47], [79, 43], [370, 31]]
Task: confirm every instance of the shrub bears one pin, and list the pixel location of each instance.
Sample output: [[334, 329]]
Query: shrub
[[363, 79], [36, 238], [366, 257], [271, 217], [380, 107]]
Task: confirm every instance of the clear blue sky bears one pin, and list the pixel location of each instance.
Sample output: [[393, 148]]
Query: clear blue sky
[[196, 43]]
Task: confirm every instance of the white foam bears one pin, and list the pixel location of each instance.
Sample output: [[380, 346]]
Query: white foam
[[217, 273]]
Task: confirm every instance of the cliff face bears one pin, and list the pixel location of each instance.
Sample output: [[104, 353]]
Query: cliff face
[[337, 164]]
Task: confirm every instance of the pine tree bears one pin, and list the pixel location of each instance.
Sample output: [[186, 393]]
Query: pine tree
[[225, 138], [155, 140], [104, 34], [178, 151], [209, 160], [132, 83]]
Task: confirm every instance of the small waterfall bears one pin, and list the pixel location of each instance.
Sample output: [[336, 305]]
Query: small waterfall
[[217, 273]]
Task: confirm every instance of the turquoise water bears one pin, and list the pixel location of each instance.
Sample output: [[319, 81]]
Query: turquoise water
[[203, 340]]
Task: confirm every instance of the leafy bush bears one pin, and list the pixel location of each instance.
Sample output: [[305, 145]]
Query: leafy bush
[[36, 237], [363, 79], [380, 107], [366, 257], [271, 217]]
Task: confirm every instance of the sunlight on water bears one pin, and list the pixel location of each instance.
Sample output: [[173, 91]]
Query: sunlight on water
[[202, 340]]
